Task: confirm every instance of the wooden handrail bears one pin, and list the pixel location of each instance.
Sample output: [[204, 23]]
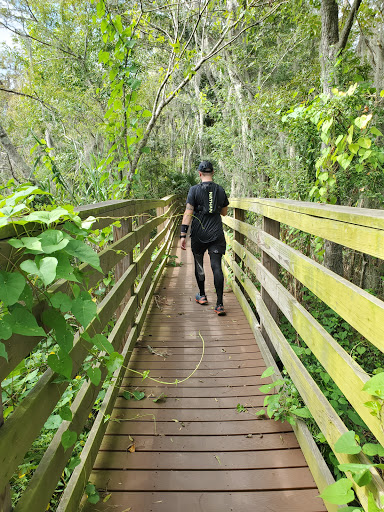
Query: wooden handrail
[[356, 228], [36, 407]]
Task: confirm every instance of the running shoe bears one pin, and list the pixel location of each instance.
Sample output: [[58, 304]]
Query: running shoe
[[220, 310], [201, 299]]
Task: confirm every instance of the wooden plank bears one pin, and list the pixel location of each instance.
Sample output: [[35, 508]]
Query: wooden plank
[[361, 238], [196, 382], [74, 489], [213, 414], [215, 399], [200, 460], [256, 479], [211, 444], [225, 364], [346, 373], [303, 500], [225, 397], [373, 218], [273, 228]]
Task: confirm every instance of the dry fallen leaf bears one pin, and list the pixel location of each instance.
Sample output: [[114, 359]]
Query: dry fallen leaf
[[216, 400], [132, 448], [130, 438]]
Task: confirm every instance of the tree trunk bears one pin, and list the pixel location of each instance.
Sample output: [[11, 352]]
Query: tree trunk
[[329, 41], [15, 157], [332, 44]]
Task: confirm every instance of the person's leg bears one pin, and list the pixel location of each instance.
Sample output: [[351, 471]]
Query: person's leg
[[218, 277], [198, 251], [199, 272]]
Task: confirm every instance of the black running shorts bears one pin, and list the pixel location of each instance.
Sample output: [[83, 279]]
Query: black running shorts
[[215, 247]]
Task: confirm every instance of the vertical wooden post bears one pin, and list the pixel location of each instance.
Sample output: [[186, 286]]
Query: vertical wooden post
[[271, 227], [123, 265], [5, 494], [159, 212], [145, 240], [239, 215]]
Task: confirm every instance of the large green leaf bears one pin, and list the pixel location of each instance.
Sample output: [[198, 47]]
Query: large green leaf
[[5, 330], [68, 439], [31, 243], [339, 493], [61, 301], [94, 375], [55, 320], [64, 268], [53, 240], [114, 361], [53, 422], [84, 253], [61, 364], [102, 343], [46, 217], [3, 352], [84, 309], [45, 269], [372, 449], [375, 385], [347, 444], [11, 287], [23, 322]]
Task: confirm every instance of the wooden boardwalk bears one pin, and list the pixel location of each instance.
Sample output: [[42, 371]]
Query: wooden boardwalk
[[193, 451]]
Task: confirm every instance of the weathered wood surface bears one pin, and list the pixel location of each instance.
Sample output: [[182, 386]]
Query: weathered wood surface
[[199, 443], [325, 416], [337, 228]]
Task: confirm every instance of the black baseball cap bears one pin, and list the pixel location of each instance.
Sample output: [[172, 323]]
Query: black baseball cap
[[205, 166]]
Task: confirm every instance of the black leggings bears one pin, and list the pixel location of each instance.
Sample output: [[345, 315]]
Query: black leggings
[[218, 276]]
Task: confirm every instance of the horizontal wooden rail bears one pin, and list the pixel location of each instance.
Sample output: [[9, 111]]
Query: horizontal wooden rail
[[42, 399], [363, 238]]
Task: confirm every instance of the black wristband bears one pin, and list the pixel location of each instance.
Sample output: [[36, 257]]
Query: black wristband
[[183, 235], [184, 228]]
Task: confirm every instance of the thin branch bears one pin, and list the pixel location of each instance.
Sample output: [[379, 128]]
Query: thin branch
[[28, 96], [20, 34], [347, 27]]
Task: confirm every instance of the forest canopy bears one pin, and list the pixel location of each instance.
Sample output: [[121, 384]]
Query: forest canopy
[[109, 99]]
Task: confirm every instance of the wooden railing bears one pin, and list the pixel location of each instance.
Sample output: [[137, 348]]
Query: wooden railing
[[129, 302], [359, 229]]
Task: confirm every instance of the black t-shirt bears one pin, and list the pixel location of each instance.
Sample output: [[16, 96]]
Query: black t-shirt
[[206, 227]]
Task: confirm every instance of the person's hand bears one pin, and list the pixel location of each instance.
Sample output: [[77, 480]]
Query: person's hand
[[183, 244]]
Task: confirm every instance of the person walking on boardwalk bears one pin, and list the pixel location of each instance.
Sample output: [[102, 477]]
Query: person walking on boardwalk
[[206, 202]]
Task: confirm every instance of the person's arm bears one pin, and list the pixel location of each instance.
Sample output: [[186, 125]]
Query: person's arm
[[224, 211], [187, 219]]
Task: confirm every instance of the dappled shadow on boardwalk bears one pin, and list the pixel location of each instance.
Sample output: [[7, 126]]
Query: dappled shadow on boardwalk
[[192, 451]]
